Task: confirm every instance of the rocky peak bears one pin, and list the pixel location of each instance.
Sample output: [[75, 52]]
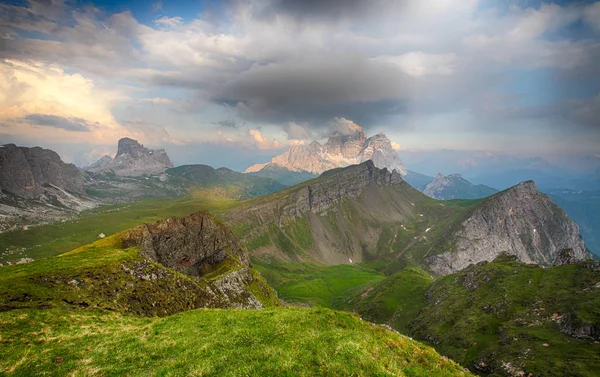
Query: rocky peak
[[519, 221], [340, 150], [133, 159], [25, 172], [193, 245], [454, 186], [130, 147]]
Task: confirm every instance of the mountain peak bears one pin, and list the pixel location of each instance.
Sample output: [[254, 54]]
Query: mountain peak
[[132, 159], [340, 150]]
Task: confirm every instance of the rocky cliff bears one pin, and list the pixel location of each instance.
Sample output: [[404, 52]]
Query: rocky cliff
[[132, 159], [340, 150], [26, 172], [454, 186], [519, 221], [199, 245]]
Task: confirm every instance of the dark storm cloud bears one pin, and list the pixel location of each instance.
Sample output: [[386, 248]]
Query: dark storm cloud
[[317, 89], [69, 124], [325, 9]]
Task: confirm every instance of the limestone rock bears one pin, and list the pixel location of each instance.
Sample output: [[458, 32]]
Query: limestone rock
[[340, 150], [132, 159], [519, 221]]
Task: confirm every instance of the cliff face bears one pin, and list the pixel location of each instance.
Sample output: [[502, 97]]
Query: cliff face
[[199, 245], [132, 159], [519, 221], [25, 171]]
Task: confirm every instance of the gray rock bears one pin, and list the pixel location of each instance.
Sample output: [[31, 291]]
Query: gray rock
[[132, 160], [519, 221]]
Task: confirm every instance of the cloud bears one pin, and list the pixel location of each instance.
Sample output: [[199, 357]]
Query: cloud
[[228, 123], [297, 131], [171, 22], [396, 146], [263, 142], [69, 124], [345, 126]]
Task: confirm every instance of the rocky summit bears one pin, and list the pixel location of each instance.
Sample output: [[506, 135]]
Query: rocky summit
[[519, 221], [454, 186], [132, 159], [27, 172], [340, 150]]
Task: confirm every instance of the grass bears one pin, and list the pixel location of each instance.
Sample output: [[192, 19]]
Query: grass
[[281, 342], [314, 284], [103, 275], [56, 238]]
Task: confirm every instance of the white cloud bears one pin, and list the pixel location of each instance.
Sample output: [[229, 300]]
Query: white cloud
[[417, 63]]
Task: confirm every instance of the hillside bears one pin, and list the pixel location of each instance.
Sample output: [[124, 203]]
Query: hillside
[[210, 342], [364, 214], [123, 305], [499, 318], [144, 271]]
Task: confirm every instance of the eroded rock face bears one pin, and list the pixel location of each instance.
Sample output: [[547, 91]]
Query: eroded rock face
[[25, 172], [132, 159], [519, 221], [193, 245], [199, 245]]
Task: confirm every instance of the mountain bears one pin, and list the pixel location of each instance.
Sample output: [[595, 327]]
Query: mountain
[[36, 186], [123, 305], [454, 186], [282, 175], [340, 150], [362, 213], [500, 318], [132, 159], [583, 207], [417, 180], [519, 221], [175, 182]]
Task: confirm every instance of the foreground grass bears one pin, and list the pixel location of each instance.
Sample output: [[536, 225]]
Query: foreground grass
[[56, 238], [210, 342], [318, 285]]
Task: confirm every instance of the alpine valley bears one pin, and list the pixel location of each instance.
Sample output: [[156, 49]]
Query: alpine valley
[[146, 255]]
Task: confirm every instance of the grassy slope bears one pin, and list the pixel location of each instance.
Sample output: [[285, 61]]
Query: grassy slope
[[282, 342], [493, 313], [103, 275], [53, 239], [316, 284]]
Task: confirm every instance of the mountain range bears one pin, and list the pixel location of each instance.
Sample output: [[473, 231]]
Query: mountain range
[[485, 281], [340, 150]]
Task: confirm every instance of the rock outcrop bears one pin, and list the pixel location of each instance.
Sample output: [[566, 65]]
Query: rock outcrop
[[27, 172], [132, 160], [454, 186], [199, 245], [519, 221], [340, 150]]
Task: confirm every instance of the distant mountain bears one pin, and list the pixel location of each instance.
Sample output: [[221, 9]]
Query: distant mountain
[[417, 180], [584, 208], [284, 176], [133, 160], [36, 186], [340, 150], [362, 213], [454, 186]]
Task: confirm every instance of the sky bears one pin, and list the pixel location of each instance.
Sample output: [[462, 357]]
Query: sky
[[235, 82]]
